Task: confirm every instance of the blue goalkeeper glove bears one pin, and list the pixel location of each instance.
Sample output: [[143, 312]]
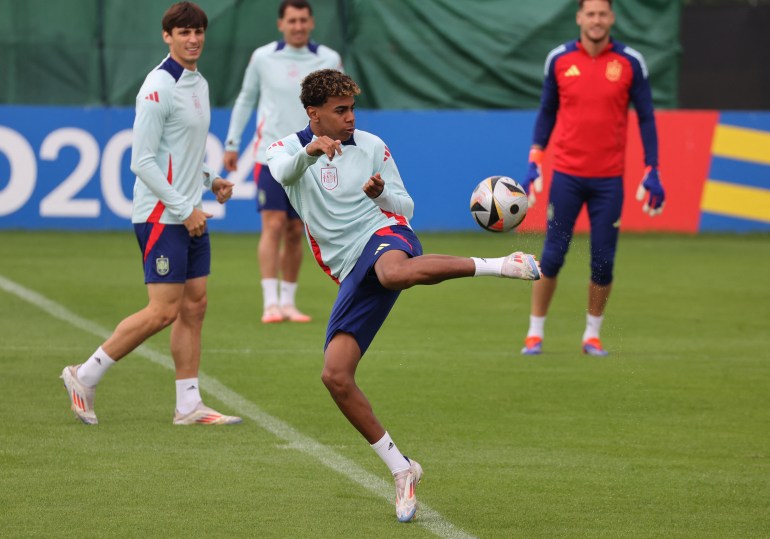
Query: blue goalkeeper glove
[[534, 175], [651, 184]]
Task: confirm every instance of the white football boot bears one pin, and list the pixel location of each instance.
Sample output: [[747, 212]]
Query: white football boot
[[203, 415], [81, 396], [520, 265], [292, 314], [406, 483]]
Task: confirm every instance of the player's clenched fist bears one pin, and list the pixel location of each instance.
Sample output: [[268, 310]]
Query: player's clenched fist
[[324, 145], [374, 187]]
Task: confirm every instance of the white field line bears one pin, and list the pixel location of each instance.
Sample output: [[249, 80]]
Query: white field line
[[427, 517]]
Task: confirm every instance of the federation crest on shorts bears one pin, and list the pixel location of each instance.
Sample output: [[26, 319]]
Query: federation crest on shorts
[[613, 71], [329, 177], [162, 265]]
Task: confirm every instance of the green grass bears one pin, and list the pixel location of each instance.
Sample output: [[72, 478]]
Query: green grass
[[667, 437]]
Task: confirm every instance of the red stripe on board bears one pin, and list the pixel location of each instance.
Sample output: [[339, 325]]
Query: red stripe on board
[[685, 139], [317, 254]]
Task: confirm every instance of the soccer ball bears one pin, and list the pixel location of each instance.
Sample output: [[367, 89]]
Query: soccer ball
[[499, 204]]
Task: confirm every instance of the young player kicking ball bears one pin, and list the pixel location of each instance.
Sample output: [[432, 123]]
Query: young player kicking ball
[[346, 188]]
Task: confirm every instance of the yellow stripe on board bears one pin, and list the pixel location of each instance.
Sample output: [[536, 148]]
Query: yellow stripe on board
[[736, 201], [741, 143]]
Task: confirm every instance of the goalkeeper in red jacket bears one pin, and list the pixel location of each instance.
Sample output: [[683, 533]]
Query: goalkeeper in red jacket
[[589, 83]]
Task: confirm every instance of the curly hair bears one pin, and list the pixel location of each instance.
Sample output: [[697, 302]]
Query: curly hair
[[320, 85]]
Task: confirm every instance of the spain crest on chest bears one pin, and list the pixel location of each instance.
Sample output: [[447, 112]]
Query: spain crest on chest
[[329, 177], [613, 71]]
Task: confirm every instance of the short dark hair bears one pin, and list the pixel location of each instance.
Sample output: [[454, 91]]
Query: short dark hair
[[581, 2], [184, 15], [320, 85], [296, 4]]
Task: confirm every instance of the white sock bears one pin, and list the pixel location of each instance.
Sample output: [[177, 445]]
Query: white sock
[[536, 326], [95, 367], [269, 292], [390, 454], [188, 395], [488, 266], [288, 291], [593, 326]]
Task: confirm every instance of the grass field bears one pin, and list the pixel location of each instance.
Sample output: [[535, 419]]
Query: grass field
[[669, 436]]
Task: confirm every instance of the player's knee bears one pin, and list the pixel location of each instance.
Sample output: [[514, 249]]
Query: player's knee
[[601, 272], [294, 234], [394, 275], [163, 317], [393, 280], [274, 222], [551, 263], [601, 276], [195, 309], [339, 383], [553, 257], [602, 265]]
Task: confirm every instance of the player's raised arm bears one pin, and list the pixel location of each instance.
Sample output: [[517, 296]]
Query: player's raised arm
[[324, 146], [288, 160]]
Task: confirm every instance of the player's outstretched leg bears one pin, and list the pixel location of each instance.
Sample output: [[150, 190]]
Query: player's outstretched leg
[[406, 484], [520, 265], [81, 396]]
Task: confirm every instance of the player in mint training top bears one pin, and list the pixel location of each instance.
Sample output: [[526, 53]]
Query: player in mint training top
[[272, 79], [347, 189], [588, 86], [169, 140]]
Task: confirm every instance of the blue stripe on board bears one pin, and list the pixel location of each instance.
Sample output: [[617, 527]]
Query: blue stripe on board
[[740, 172], [711, 222], [749, 120]]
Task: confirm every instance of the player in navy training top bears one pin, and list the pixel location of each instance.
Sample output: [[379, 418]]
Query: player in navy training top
[[588, 86], [169, 144]]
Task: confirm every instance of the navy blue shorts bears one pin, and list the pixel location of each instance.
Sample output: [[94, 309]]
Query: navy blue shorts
[[362, 302], [270, 193], [170, 255], [604, 199]]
